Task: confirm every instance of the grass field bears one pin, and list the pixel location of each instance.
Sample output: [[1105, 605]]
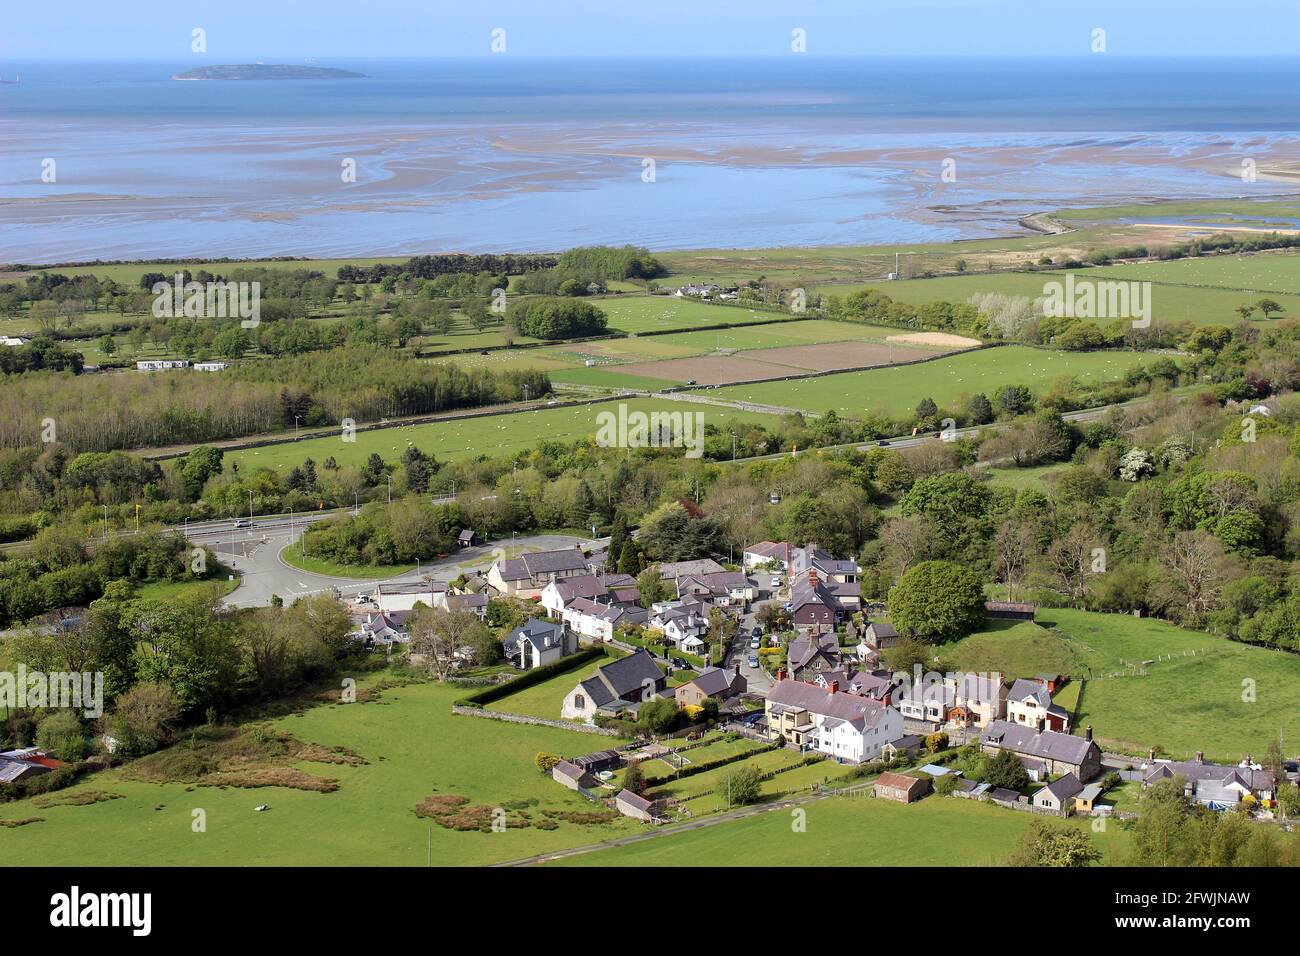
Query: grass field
[[656, 313], [293, 557], [1181, 294], [462, 438], [544, 699], [852, 831], [1195, 691], [946, 380], [414, 747]]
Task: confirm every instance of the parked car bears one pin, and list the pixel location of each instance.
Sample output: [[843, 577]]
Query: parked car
[[753, 660], [776, 582], [755, 642], [757, 631], [882, 443], [681, 662]]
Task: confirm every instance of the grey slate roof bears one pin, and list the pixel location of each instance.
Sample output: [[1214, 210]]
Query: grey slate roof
[[862, 711], [1024, 689], [1064, 788], [1025, 741], [719, 680]]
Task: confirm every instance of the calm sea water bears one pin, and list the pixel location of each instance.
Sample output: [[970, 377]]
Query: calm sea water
[[509, 153]]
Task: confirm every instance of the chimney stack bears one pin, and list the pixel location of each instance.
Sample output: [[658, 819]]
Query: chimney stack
[[736, 667], [834, 687], [1087, 732], [1200, 756], [780, 674]]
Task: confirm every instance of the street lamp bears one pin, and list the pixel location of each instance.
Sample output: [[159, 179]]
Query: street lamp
[[356, 503], [390, 489]]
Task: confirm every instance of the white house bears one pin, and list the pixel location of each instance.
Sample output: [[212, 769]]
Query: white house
[[598, 621], [604, 588], [848, 727], [404, 595], [766, 553], [681, 620], [537, 642], [721, 588], [1029, 703]]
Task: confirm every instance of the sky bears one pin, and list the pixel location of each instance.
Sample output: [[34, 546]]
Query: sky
[[242, 30]]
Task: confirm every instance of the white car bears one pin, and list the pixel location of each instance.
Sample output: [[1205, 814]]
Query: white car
[[776, 582], [753, 660]]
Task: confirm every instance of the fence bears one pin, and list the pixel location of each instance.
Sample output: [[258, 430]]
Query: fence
[[536, 721]]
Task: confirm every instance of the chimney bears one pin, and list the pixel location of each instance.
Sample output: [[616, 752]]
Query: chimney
[[1087, 732], [1200, 756], [780, 674], [1151, 754], [812, 577], [834, 687], [736, 667], [1041, 722]]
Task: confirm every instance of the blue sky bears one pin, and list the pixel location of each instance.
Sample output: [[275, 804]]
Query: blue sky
[[267, 29]]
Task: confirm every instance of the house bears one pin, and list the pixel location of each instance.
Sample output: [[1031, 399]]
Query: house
[[1008, 611], [900, 788], [978, 699], [404, 595], [833, 570], [848, 727], [528, 574], [1085, 801], [572, 776], [537, 642], [598, 621], [384, 628], [210, 366], [925, 702], [470, 603], [808, 656], [1056, 752], [766, 554], [1058, 795], [466, 538], [602, 588], [636, 806], [617, 686], [721, 588], [1216, 786], [681, 622], [698, 290], [813, 607], [716, 683], [1029, 702], [877, 684], [672, 570]]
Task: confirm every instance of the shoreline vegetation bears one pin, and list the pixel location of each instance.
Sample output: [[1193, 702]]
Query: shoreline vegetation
[[266, 71]]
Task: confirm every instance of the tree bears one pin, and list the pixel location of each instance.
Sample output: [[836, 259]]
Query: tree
[[743, 785], [438, 635], [143, 718], [937, 601], [61, 732], [1053, 844], [980, 409], [651, 587], [546, 762], [658, 716], [107, 344], [1013, 544], [634, 777], [1005, 770]]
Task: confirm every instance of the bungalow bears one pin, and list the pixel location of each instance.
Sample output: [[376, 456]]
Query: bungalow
[[1030, 703], [808, 656], [636, 806], [1058, 753], [766, 554], [528, 574], [1058, 794], [845, 726], [572, 776], [900, 788], [599, 621], [716, 683], [404, 595], [909, 744], [537, 642], [1216, 786], [617, 686]]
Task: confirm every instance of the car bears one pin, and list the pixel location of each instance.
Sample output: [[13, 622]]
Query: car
[[755, 642], [243, 523], [757, 631], [882, 443], [753, 660], [690, 381], [776, 582], [787, 606], [680, 662]]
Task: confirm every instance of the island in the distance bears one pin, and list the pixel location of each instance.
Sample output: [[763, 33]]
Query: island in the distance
[[266, 71]]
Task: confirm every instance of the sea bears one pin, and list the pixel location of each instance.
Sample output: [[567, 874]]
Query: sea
[[114, 159]]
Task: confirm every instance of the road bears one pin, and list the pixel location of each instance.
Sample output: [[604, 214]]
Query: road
[[255, 555]]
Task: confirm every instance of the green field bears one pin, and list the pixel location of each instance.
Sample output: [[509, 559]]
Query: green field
[[1272, 272], [657, 313], [897, 391], [849, 831], [292, 556], [1182, 293], [544, 699], [1194, 694], [414, 746], [455, 439]]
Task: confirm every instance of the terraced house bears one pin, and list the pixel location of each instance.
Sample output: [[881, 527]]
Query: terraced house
[[528, 574]]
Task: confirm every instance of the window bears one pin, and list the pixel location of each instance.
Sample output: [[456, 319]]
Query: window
[[579, 701]]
